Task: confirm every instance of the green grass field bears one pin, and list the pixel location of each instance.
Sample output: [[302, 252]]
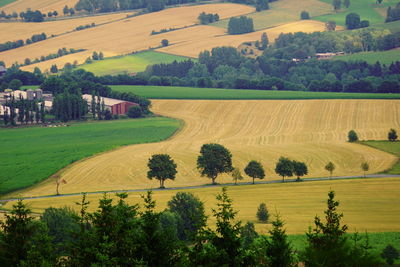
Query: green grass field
[[367, 9], [390, 147], [168, 92], [391, 26], [32, 154], [128, 64], [384, 57], [6, 2], [282, 12]]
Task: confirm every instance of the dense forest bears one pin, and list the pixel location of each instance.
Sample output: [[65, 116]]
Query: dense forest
[[120, 234]]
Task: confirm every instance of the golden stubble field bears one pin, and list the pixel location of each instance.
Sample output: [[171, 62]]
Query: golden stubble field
[[125, 36], [369, 205], [313, 131], [42, 5]]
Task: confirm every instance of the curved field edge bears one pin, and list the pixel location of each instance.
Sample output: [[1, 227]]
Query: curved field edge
[[389, 147], [175, 92], [32, 154], [297, 203]]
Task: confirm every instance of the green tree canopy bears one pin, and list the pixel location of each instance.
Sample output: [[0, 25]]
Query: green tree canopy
[[254, 169], [392, 135], [299, 169], [284, 168], [161, 167], [352, 136]]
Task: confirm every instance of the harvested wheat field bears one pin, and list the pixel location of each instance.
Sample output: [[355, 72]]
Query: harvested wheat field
[[382, 214], [218, 37], [314, 131], [12, 31], [42, 5]]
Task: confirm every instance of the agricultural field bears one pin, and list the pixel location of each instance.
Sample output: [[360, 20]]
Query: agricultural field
[[10, 6], [197, 39], [282, 12], [391, 26], [297, 203], [12, 31], [390, 147], [313, 131], [32, 154], [384, 57], [129, 64], [129, 36], [367, 9], [173, 92]]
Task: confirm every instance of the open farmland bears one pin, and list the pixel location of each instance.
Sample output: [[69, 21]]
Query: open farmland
[[314, 131], [367, 9], [390, 147], [370, 204], [12, 31], [32, 154], [131, 34], [128, 64], [192, 41], [42, 5], [384, 57], [173, 92], [282, 12]]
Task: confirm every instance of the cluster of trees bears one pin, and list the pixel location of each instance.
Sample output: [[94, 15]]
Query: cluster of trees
[[95, 6], [32, 16], [61, 52], [259, 4], [120, 234], [68, 106], [207, 18], [353, 21], [393, 13], [13, 15], [240, 25], [24, 77], [304, 15], [67, 10], [82, 27], [353, 137], [52, 14], [15, 44], [23, 111]]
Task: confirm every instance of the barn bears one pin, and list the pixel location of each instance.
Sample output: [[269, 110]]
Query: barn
[[116, 106]]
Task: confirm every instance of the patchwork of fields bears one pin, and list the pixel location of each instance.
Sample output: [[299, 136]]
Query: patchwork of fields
[[314, 131], [42, 5]]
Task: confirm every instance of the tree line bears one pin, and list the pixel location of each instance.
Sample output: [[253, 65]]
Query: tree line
[[258, 4], [122, 234], [15, 44], [23, 111], [240, 25], [393, 13]]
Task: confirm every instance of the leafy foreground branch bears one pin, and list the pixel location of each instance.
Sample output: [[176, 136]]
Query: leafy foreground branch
[[120, 234]]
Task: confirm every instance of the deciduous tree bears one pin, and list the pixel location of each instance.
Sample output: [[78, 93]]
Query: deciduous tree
[[392, 135], [330, 167], [365, 167], [284, 168], [161, 167], [254, 169]]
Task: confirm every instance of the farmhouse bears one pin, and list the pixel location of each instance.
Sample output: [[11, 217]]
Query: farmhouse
[[114, 105]]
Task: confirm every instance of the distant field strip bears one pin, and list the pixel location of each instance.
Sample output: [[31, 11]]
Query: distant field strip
[[173, 92], [369, 205], [125, 36], [32, 154], [42, 5], [390, 147], [131, 63], [314, 131], [384, 57]]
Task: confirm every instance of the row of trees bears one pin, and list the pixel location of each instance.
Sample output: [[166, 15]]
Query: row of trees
[[120, 234], [259, 4], [61, 52], [353, 137], [240, 25], [393, 13], [15, 44], [207, 18], [23, 111], [67, 106]]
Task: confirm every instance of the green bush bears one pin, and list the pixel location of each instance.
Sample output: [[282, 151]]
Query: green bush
[[134, 112]]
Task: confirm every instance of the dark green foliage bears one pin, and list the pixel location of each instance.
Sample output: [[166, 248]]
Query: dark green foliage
[[299, 169], [161, 167], [336, 4], [393, 13], [53, 68], [135, 112], [205, 18], [262, 213], [352, 136], [352, 21], [15, 84], [347, 3], [254, 169], [264, 41], [279, 251], [330, 167], [390, 254], [248, 234], [190, 214], [164, 42], [155, 5], [240, 25], [304, 15], [262, 5], [68, 106], [392, 135], [284, 168], [214, 159], [169, 225]]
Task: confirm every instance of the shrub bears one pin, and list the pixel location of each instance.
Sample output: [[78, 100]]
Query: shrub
[[262, 213], [305, 15], [352, 136], [390, 254], [392, 135], [134, 112], [164, 42]]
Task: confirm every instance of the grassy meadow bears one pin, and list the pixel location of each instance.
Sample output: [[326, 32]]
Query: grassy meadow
[[384, 57], [367, 9], [6, 2], [391, 26], [390, 147], [128, 64], [32, 154], [173, 92]]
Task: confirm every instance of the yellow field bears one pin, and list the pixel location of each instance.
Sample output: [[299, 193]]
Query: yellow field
[[42, 5], [19, 30], [371, 204], [190, 42], [125, 36], [314, 131]]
